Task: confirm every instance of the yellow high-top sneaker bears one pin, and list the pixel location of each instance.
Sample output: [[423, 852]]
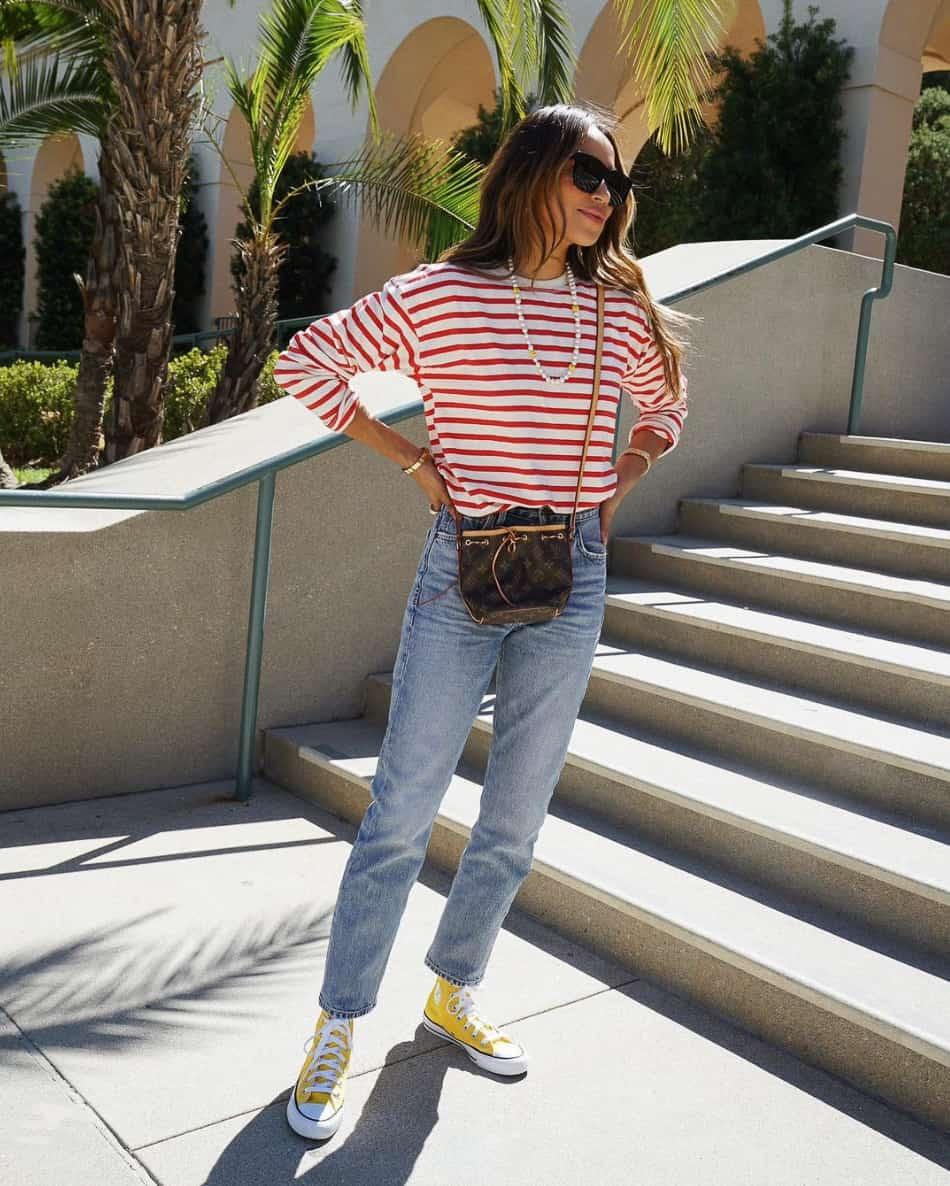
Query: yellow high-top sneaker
[[451, 1012], [315, 1107]]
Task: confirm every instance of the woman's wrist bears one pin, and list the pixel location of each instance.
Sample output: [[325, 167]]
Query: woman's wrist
[[630, 469]]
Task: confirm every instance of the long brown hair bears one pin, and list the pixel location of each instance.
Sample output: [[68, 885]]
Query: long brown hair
[[522, 180]]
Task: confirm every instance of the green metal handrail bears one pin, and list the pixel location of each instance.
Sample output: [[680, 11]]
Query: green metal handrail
[[265, 472], [282, 330]]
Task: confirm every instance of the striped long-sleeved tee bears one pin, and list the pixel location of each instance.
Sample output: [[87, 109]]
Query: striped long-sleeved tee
[[499, 434]]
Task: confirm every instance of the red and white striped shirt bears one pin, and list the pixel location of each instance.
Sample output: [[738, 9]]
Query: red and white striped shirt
[[499, 434]]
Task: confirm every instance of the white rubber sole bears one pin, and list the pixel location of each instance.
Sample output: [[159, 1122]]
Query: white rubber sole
[[303, 1126], [501, 1066]]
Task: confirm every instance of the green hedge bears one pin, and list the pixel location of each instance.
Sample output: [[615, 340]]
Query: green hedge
[[36, 401]]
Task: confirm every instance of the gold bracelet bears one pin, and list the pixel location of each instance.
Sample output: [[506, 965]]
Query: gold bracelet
[[640, 453], [423, 456]]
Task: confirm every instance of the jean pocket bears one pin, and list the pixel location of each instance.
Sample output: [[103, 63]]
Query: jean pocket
[[589, 543], [443, 526]]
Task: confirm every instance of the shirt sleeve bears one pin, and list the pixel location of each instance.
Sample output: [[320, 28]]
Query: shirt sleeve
[[374, 334], [661, 410]]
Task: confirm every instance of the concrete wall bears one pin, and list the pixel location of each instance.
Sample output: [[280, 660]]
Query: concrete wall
[[123, 634]]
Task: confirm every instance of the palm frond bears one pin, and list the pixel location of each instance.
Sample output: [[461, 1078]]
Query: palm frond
[[415, 189], [297, 40], [668, 42], [545, 53], [50, 97], [356, 70], [502, 21], [36, 30]]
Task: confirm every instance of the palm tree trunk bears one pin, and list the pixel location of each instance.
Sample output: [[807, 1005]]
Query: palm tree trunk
[[95, 362], [7, 476], [251, 342], [155, 67]]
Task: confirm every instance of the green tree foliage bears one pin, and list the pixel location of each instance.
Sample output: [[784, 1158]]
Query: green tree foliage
[[190, 256], [773, 170], [13, 254], [64, 230], [923, 239], [770, 167], [666, 191], [304, 274]]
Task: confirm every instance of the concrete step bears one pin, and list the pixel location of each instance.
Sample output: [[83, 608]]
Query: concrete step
[[899, 767], [863, 669], [886, 873], [858, 598], [879, 455], [853, 492], [819, 991], [907, 549]]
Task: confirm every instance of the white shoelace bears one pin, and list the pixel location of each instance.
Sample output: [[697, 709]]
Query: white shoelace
[[462, 1004], [327, 1063]]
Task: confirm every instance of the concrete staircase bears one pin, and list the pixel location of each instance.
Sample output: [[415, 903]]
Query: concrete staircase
[[755, 808]]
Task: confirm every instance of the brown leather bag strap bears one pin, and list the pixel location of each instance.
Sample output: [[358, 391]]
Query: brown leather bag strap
[[593, 406]]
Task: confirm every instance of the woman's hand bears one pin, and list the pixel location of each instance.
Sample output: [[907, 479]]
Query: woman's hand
[[633, 471], [429, 478], [608, 508]]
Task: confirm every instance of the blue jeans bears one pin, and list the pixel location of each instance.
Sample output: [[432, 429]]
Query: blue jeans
[[444, 666]]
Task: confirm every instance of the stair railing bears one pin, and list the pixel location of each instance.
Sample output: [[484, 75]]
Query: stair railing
[[265, 472]]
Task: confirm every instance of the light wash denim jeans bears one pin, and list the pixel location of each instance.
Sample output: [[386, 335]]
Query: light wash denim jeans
[[444, 666]]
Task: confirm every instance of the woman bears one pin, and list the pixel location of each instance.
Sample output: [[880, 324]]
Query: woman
[[499, 334]]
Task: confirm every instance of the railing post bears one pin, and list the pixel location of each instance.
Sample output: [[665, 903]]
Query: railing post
[[255, 635], [864, 321]]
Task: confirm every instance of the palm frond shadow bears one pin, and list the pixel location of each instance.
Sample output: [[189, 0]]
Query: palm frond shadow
[[128, 996]]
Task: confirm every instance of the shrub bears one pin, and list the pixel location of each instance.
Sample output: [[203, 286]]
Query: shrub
[[36, 410], [190, 256], [923, 239], [666, 192], [13, 254], [773, 170], [37, 398], [64, 229]]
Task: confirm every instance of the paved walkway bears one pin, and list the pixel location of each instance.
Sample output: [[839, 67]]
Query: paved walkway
[[161, 955]]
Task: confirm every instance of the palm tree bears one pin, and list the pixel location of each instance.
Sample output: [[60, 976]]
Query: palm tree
[[49, 95], [128, 72], [298, 38], [155, 67]]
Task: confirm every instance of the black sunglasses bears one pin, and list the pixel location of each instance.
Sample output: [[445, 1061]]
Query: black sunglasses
[[589, 172]]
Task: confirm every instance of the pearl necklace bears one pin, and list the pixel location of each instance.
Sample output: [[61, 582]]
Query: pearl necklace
[[575, 309]]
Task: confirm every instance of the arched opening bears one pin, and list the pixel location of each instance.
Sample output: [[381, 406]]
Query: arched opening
[[56, 157], [236, 147], [433, 83], [936, 54]]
